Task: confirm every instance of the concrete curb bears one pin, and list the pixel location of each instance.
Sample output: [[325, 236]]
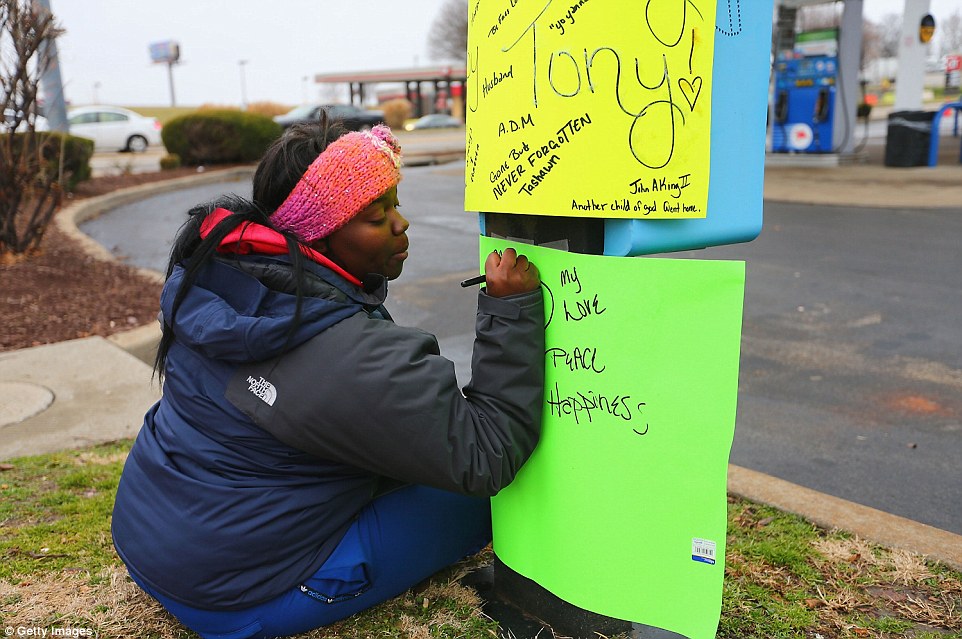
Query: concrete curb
[[68, 219], [824, 510], [140, 342], [865, 186], [831, 512]]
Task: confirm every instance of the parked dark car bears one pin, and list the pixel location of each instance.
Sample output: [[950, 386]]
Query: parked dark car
[[350, 116]]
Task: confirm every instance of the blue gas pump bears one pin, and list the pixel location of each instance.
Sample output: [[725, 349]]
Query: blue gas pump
[[805, 84], [804, 105]]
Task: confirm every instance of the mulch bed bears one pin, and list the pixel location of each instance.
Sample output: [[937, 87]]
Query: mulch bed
[[61, 293]]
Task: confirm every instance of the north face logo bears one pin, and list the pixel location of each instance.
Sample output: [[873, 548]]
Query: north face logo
[[263, 389]]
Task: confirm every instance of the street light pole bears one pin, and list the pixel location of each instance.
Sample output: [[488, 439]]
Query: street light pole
[[242, 63], [170, 82]]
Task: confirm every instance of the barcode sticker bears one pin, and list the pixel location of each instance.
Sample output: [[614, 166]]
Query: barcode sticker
[[703, 550]]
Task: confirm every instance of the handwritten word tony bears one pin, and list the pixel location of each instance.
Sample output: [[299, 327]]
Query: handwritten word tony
[[657, 114]]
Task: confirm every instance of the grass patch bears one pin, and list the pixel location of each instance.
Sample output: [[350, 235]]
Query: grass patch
[[785, 578], [163, 114], [54, 512]]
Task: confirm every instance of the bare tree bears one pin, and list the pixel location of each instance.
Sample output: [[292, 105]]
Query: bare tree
[[828, 16], [890, 33], [448, 38], [821, 16], [951, 36], [871, 42], [874, 43], [30, 162]]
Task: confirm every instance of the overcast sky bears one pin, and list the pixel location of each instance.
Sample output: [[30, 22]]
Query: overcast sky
[[104, 54], [107, 43]]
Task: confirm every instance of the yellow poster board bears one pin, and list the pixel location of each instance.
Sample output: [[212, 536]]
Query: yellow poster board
[[589, 108]]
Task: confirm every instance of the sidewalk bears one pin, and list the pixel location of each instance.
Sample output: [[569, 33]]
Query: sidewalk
[[869, 183], [91, 390]]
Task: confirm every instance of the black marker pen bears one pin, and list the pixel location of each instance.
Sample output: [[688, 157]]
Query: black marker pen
[[471, 281]]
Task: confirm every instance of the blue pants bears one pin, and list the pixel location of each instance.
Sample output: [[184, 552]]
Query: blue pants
[[398, 540]]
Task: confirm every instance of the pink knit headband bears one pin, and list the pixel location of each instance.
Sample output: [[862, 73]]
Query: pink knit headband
[[342, 181]]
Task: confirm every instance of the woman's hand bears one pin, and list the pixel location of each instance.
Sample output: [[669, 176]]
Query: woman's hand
[[510, 274]]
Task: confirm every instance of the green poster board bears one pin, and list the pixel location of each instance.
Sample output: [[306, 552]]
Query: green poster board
[[621, 510]]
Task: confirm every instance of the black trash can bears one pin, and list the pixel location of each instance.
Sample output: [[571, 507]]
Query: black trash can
[[908, 138]]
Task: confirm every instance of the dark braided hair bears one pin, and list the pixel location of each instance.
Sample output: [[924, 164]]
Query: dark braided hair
[[278, 171]]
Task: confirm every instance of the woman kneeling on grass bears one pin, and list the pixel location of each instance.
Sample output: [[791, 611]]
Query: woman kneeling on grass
[[310, 458]]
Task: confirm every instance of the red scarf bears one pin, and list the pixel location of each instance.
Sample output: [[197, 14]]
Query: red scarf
[[249, 237]]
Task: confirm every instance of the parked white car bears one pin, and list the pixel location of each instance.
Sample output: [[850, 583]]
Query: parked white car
[[434, 121], [114, 128]]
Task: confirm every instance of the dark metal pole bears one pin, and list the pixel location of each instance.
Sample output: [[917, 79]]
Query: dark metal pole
[[55, 106]]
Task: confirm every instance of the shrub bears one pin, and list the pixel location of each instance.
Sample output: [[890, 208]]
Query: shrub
[[44, 150], [210, 106], [35, 170], [169, 162], [270, 109], [396, 112], [77, 152], [35, 167], [219, 136]]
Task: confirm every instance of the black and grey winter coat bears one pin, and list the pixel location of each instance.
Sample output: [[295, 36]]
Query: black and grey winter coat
[[265, 445]]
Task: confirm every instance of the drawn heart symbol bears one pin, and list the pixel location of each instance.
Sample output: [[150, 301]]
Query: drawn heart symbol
[[691, 90]]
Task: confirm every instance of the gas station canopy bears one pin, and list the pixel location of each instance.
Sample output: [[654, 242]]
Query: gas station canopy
[[452, 78]]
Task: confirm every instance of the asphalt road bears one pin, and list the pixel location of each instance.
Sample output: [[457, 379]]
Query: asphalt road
[[119, 163], [851, 352], [851, 349]]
